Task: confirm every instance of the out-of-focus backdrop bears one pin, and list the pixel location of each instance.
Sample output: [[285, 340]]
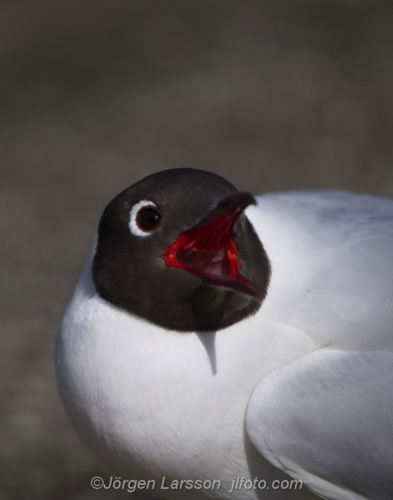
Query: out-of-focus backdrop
[[96, 94]]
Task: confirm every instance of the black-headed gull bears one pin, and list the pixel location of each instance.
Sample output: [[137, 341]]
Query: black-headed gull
[[215, 336]]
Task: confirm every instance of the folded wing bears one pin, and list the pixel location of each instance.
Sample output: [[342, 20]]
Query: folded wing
[[327, 418]]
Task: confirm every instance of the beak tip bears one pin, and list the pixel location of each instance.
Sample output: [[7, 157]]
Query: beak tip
[[248, 198], [256, 295]]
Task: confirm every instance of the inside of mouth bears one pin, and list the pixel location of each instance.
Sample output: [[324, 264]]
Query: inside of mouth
[[209, 250]]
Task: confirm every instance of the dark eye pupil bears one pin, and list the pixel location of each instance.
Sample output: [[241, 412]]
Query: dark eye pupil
[[148, 219]]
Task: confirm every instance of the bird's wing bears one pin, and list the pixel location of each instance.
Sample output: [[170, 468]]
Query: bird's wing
[[327, 419], [332, 265]]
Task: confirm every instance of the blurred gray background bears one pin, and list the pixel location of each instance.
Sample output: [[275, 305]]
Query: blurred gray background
[[96, 94]]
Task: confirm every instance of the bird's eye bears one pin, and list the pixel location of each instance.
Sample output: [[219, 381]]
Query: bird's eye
[[144, 218], [148, 219]]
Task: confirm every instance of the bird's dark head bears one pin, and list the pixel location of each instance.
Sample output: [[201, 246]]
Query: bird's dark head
[[177, 250]]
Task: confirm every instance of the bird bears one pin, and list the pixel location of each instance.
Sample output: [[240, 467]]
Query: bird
[[230, 346]]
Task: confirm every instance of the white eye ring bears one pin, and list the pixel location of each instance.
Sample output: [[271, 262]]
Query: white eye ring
[[134, 228]]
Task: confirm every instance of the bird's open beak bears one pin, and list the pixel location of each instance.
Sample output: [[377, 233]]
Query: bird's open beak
[[209, 250]]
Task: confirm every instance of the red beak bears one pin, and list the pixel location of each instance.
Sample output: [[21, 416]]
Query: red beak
[[209, 249]]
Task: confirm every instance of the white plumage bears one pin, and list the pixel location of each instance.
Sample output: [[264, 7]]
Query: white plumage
[[308, 377]]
